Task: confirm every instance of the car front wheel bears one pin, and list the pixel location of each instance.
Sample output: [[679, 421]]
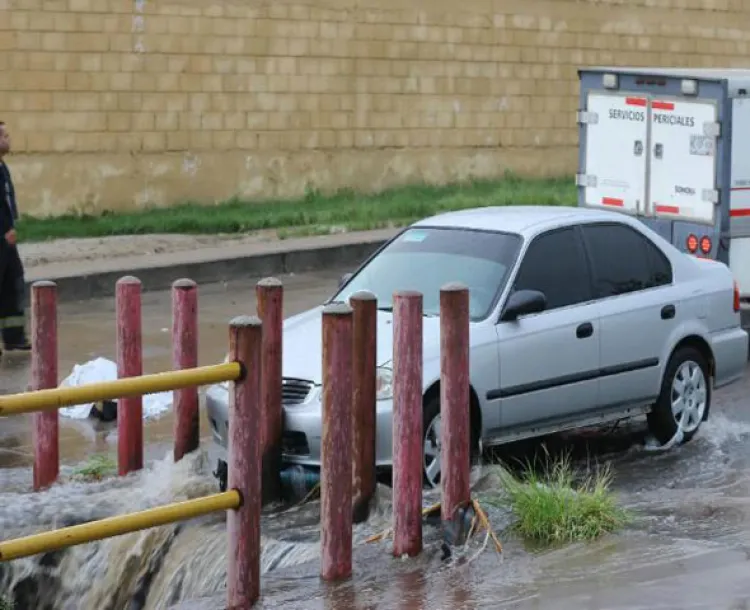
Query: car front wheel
[[685, 397], [431, 442]]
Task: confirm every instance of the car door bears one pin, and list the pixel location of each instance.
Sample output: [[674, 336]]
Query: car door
[[633, 286], [549, 361]]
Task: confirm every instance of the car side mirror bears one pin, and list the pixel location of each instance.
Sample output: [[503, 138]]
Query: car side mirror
[[344, 279], [523, 302]]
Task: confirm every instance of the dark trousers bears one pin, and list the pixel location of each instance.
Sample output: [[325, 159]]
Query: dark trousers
[[12, 294]]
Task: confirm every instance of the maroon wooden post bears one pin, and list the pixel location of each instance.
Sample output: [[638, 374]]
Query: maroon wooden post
[[455, 412], [45, 431], [408, 449], [129, 364], [185, 356], [269, 293], [244, 469], [364, 392], [336, 446]]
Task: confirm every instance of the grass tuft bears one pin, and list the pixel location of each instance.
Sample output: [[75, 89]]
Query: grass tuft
[[96, 468], [314, 214], [6, 603], [560, 505]]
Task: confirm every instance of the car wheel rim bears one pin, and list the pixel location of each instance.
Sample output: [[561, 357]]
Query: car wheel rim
[[432, 452], [689, 396]]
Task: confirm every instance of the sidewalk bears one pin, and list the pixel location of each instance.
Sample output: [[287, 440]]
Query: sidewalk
[[89, 268]]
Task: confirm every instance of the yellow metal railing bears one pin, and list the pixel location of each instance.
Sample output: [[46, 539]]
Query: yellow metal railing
[[118, 525], [48, 400]]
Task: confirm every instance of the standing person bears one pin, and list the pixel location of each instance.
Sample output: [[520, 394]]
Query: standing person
[[12, 285]]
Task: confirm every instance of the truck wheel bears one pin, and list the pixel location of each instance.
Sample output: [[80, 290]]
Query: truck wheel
[[685, 397]]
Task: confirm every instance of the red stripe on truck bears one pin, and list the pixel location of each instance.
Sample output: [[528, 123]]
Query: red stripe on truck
[[611, 201], [635, 101], [662, 105], [666, 209], [740, 212]]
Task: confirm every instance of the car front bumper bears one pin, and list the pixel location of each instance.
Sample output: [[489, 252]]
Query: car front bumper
[[302, 436]]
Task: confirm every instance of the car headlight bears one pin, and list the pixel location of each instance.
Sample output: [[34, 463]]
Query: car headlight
[[383, 383]]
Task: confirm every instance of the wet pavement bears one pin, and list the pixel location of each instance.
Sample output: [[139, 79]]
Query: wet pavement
[[687, 548]]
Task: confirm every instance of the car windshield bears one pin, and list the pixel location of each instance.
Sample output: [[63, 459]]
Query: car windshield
[[425, 259]]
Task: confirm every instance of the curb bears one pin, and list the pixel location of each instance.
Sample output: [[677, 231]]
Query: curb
[[101, 284]]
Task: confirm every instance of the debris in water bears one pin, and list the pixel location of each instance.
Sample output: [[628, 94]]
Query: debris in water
[[102, 369], [478, 517]]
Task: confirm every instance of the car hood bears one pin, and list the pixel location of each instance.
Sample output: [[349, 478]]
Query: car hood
[[303, 338]]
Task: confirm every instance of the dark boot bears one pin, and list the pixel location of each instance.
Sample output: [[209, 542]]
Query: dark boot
[[14, 339]]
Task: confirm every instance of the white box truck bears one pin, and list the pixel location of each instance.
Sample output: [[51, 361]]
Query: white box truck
[[672, 147]]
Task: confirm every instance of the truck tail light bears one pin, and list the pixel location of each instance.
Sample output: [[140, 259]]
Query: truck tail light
[[705, 244], [691, 243], [736, 297]]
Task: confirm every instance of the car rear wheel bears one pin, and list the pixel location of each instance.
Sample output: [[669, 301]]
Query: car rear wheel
[[685, 397], [431, 442]]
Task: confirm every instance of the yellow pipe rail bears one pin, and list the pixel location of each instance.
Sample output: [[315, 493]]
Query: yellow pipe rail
[[118, 525], [49, 400]]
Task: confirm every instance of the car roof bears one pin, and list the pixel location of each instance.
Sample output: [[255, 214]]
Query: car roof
[[522, 219]]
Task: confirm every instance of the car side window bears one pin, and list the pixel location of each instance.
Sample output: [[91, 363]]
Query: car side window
[[555, 264], [661, 268], [623, 260]]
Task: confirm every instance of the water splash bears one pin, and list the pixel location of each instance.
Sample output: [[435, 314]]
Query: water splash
[[152, 568], [691, 502]]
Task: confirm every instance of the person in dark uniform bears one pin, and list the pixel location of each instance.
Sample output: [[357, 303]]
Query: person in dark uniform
[[12, 285]]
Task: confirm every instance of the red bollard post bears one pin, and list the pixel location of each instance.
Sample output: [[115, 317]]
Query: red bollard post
[[336, 445], [129, 364], [269, 293], [408, 448], [455, 412], [45, 431], [244, 472], [185, 356], [364, 359]]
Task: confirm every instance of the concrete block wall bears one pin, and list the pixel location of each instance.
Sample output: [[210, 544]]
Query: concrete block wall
[[122, 104]]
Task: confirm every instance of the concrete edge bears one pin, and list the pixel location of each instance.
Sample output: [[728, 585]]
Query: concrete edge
[[102, 284]]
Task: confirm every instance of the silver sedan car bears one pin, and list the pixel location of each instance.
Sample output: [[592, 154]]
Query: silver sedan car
[[578, 317]]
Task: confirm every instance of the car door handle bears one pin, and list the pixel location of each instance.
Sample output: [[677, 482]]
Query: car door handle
[[585, 330], [667, 312]]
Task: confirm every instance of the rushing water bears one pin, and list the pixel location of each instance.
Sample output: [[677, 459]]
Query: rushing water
[[692, 505]]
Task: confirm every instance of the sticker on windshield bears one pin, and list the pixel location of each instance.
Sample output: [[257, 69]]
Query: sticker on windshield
[[415, 236]]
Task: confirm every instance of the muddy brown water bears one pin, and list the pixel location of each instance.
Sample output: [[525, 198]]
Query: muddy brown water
[[689, 546]]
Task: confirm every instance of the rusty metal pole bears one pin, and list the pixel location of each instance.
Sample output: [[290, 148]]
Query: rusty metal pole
[[244, 472], [270, 297], [407, 423], [364, 361], [45, 431], [185, 356], [455, 412], [129, 364], [336, 445]]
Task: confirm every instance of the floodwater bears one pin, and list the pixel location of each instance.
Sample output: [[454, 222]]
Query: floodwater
[[689, 546]]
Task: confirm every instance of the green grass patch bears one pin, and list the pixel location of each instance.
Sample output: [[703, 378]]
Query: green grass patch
[[561, 505], [6, 603], [314, 214], [96, 468]]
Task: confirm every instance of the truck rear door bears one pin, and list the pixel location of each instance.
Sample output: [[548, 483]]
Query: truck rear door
[[682, 179], [614, 172]]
